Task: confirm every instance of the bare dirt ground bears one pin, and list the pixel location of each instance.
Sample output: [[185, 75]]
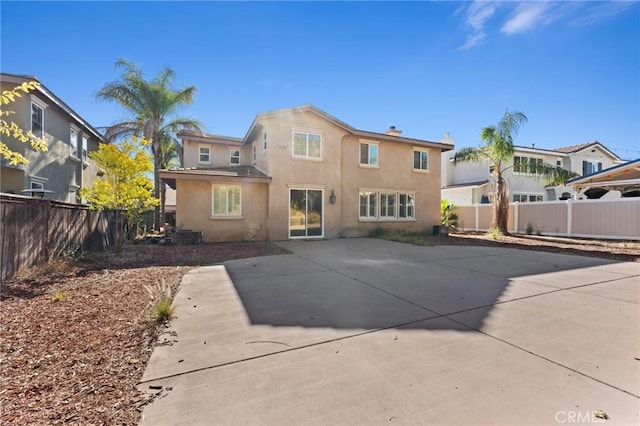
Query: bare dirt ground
[[77, 360]]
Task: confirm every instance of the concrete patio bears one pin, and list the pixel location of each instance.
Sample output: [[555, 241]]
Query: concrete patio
[[366, 331]]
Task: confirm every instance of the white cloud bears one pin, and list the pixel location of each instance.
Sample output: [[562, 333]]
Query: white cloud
[[476, 16], [527, 16], [597, 11], [481, 21]]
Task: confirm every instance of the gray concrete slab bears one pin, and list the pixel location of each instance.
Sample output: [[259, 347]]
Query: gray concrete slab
[[360, 331]]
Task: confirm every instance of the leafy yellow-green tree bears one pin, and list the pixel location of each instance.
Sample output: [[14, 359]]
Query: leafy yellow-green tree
[[125, 188], [10, 129]]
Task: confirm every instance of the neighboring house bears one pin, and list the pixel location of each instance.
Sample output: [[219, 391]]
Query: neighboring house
[[467, 182], [60, 172], [623, 179], [302, 173]]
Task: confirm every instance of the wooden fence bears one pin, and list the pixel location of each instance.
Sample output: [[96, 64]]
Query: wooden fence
[[33, 231], [607, 219]]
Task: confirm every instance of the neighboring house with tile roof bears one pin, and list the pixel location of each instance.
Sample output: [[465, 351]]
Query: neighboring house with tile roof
[[65, 168], [467, 182], [302, 173]]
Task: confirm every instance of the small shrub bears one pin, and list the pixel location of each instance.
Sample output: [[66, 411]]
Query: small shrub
[[161, 301], [528, 229], [538, 231], [496, 234], [448, 218], [57, 296], [163, 310]]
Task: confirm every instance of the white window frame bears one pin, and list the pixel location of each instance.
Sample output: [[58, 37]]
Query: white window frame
[[368, 215], [413, 159], [381, 212], [377, 157], [41, 107], [37, 183], [255, 152], [264, 141], [538, 160], [85, 148], [525, 197], [200, 154], [229, 210], [73, 145], [306, 134], [231, 156]]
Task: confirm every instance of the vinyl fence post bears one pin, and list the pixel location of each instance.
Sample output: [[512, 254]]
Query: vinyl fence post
[[569, 215], [477, 220], [515, 217]]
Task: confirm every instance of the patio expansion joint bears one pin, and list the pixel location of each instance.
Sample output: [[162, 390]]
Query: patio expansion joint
[[435, 315]]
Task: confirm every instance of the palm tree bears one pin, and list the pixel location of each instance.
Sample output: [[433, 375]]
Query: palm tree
[[153, 106], [497, 150]]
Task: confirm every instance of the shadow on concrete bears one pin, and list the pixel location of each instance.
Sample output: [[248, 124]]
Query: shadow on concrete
[[375, 284]]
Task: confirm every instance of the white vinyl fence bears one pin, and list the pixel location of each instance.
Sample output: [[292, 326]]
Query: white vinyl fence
[[610, 219]]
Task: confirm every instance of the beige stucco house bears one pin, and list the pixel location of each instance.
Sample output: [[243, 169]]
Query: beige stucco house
[[60, 172], [302, 173], [467, 182]]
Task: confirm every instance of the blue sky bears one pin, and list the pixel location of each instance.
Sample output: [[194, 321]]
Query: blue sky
[[426, 67]]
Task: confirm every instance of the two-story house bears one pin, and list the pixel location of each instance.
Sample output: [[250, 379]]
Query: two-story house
[[467, 182], [60, 172], [302, 173]]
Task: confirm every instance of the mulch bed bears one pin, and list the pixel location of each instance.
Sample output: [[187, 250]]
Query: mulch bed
[[626, 251], [78, 360]]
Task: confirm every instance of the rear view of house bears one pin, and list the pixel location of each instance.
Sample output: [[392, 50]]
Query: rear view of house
[[302, 173]]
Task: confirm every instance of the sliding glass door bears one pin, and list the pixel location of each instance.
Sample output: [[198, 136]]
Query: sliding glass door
[[305, 213]]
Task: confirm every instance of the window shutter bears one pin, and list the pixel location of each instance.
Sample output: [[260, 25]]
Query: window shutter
[[599, 167], [584, 168]]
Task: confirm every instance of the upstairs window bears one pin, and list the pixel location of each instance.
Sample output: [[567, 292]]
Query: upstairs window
[[369, 154], [420, 159], [85, 148], [234, 157], [255, 153], [73, 142], [37, 120], [590, 167], [526, 165], [307, 145], [204, 155], [264, 141]]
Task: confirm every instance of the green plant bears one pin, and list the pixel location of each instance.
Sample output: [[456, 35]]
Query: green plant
[[163, 310], [161, 300], [538, 231], [528, 229], [379, 232], [448, 218], [496, 234], [57, 296]]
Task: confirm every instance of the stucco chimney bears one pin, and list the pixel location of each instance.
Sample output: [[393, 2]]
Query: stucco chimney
[[393, 131]]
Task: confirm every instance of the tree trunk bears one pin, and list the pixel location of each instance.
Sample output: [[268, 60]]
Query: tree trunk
[[500, 217]]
